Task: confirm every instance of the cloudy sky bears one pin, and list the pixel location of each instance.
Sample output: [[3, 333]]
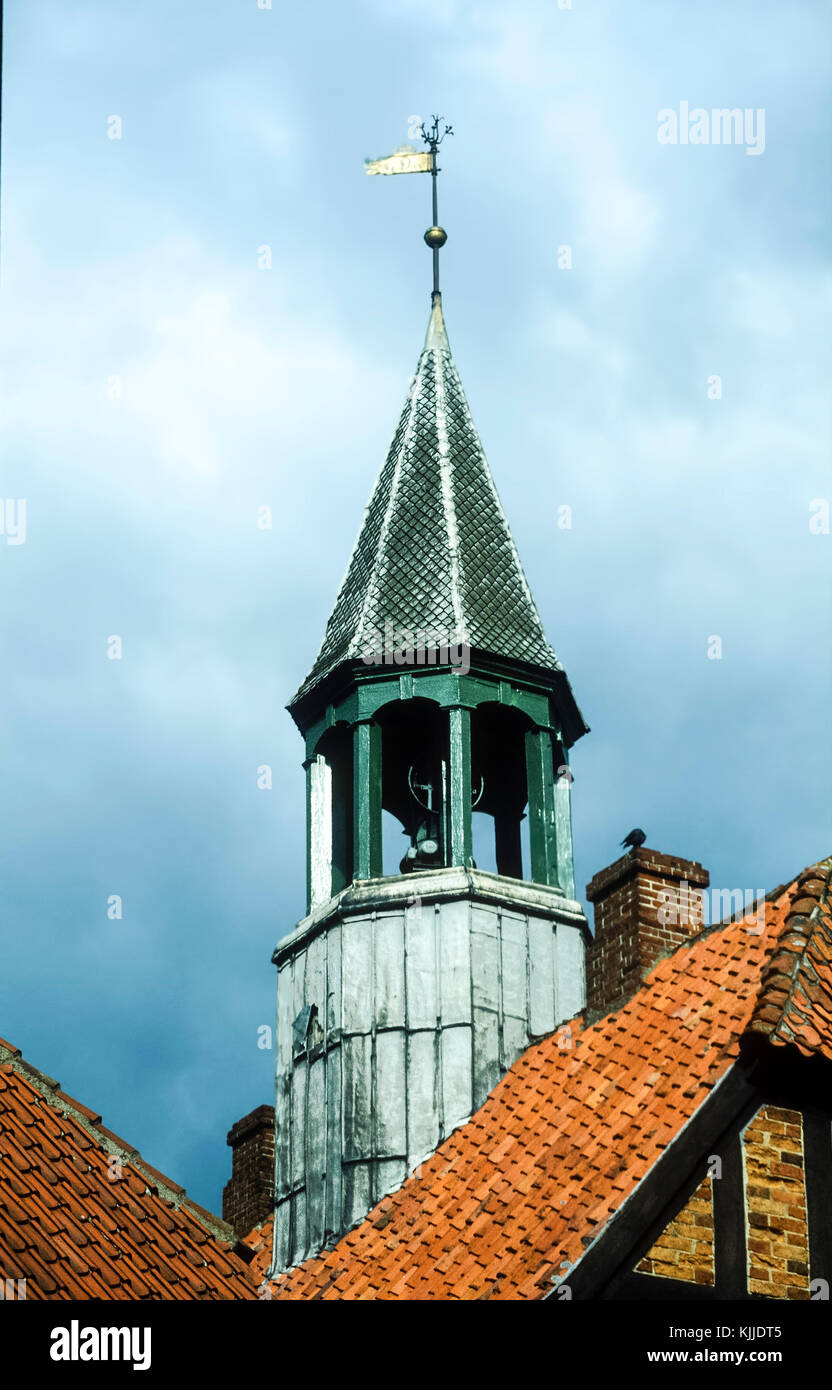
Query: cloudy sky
[[159, 387]]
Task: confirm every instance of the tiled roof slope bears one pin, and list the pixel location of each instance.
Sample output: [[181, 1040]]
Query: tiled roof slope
[[794, 1005], [72, 1232], [434, 550], [511, 1200]]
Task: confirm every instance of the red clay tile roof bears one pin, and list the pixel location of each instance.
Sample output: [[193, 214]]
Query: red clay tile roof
[[510, 1201], [72, 1232], [794, 1004]]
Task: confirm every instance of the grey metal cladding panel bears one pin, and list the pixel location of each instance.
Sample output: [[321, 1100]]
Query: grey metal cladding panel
[[282, 1134], [316, 1153], [333, 970], [357, 967], [389, 963], [315, 989], [571, 988], [515, 1040], [541, 977], [391, 1111], [285, 1005], [455, 962], [298, 982], [457, 1081], [300, 1243], [284, 1225], [390, 1174], [485, 958], [356, 1060], [422, 1099], [420, 969], [299, 1125], [487, 1070], [514, 951], [283, 1074], [333, 1140], [357, 1193]]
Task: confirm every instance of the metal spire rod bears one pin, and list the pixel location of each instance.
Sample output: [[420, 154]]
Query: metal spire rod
[[435, 236]]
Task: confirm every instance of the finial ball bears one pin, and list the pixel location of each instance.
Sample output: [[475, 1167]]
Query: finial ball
[[436, 237]]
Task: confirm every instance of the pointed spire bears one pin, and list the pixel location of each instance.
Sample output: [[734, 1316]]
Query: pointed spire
[[434, 551], [437, 336]]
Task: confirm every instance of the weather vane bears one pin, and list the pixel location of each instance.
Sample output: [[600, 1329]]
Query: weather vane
[[407, 160]]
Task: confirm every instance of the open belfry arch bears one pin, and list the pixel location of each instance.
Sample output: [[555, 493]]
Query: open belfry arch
[[435, 694]]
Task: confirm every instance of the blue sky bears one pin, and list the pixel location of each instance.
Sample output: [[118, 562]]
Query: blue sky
[[137, 259]]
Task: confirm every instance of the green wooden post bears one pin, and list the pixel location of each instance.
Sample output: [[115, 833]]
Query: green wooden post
[[367, 799], [540, 775], [459, 789]]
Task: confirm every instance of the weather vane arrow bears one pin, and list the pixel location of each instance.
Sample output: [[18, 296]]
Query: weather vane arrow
[[407, 160]]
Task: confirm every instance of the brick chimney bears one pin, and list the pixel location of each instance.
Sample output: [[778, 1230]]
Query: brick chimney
[[249, 1197], [646, 904]]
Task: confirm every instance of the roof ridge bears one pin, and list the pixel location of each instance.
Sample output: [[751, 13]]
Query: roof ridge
[[90, 1122], [446, 484], [790, 977]]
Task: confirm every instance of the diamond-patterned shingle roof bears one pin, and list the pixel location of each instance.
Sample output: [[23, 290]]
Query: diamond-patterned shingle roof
[[434, 552]]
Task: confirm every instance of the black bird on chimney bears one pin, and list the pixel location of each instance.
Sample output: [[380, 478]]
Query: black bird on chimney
[[635, 838]]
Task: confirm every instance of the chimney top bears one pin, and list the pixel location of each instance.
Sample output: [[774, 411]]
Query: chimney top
[[248, 1197], [251, 1124], [649, 861], [646, 905]]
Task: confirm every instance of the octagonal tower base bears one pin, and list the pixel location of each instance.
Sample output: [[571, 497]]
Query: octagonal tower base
[[400, 1004]]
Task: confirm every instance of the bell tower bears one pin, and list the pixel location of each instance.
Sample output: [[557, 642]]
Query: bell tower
[[416, 978]]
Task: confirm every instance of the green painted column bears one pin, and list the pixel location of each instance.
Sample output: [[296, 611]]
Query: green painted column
[[367, 861], [459, 786], [540, 776]]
